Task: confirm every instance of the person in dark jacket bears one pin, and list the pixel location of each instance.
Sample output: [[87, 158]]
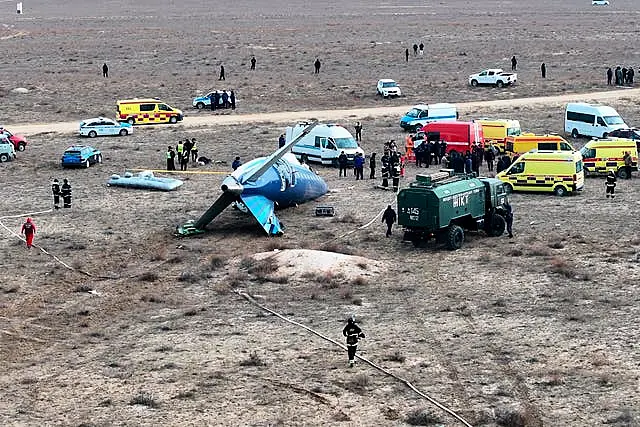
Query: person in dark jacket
[[253, 63], [427, 155], [281, 141], [385, 160], [509, 219], [342, 164], [372, 166], [514, 63], [628, 163], [186, 150], [489, 157], [221, 73], [232, 100], [389, 216], [406, 55], [610, 185], [105, 70], [358, 128], [236, 163], [475, 163], [457, 162], [468, 163], [213, 99], [353, 333], [358, 164], [437, 155], [316, 66], [624, 76], [171, 155], [543, 70], [609, 76], [55, 189], [65, 192], [415, 49], [225, 99], [618, 75]]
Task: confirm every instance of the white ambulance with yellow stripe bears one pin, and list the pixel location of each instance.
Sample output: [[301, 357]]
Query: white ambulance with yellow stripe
[[558, 172], [146, 111]]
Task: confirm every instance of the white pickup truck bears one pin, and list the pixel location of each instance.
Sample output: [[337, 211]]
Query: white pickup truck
[[494, 77]]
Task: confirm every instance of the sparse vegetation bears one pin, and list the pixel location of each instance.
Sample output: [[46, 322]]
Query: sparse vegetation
[[253, 360], [148, 276], [395, 357], [188, 277], [422, 417], [145, 399], [216, 262]]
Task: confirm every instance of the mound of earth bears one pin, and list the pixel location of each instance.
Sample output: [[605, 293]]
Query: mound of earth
[[295, 262]]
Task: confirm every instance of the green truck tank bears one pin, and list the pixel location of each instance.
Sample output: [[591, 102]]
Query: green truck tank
[[442, 205]]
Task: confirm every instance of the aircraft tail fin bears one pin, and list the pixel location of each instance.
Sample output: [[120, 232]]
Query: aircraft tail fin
[[263, 211]]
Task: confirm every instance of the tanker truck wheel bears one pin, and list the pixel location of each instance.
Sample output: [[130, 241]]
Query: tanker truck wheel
[[455, 237], [497, 226]]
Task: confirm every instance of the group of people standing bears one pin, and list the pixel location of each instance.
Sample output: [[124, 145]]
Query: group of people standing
[[623, 76], [222, 100], [184, 152], [63, 191]]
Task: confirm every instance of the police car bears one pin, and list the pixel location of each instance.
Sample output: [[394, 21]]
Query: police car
[[203, 101], [81, 155], [101, 126], [600, 3]]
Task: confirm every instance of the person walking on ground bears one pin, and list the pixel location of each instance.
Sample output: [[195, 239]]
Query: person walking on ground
[[29, 230], [353, 333], [232, 100], [358, 164], [415, 49], [610, 184], [171, 155], [342, 164], [421, 47], [317, 66], [65, 192], [358, 128], [514, 63], [609, 76], [543, 70], [628, 163], [194, 150], [281, 141], [253, 63], [372, 166], [509, 219], [55, 189], [236, 163], [389, 216], [105, 70], [221, 73], [406, 54]]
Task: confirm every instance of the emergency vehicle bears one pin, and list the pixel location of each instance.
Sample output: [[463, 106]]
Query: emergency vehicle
[[558, 172], [529, 141], [144, 111], [496, 131], [602, 155], [323, 144], [421, 114]]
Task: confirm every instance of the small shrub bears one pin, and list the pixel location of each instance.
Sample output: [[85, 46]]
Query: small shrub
[[188, 277], [422, 417], [175, 260], [329, 280], [360, 281], [517, 417], [216, 262], [83, 288], [337, 248], [159, 254], [236, 279], [395, 357], [190, 394], [262, 268], [560, 266], [276, 244], [348, 218], [253, 360], [194, 311], [164, 349], [145, 399], [282, 279], [362, 265], [356, 301], [361, 381], [346, 293], [514, 252], [539, 251], [148, 276], [151, 298], [556, 245]]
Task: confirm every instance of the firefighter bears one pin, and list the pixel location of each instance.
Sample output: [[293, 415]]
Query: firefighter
[[55, 189], [389, 216], [171, 155], [385, 160], [610, 184], [395, 172], [353, 333], [65, 192], [29, 230]]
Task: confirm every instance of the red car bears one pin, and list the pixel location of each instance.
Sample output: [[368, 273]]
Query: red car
[[19, 142]]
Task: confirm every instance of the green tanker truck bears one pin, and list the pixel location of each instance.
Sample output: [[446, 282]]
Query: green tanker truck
[[442, 205]]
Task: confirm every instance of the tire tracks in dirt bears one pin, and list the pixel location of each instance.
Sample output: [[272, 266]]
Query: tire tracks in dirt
[[200, 120]]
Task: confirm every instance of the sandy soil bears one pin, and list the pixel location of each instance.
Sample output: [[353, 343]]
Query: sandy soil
[[540, 329]]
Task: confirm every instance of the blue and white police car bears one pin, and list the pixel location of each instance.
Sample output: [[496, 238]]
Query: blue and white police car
[[101, 126]]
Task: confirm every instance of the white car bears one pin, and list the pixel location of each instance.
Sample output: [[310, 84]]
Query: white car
[[387, 88], [600, 3], [101, 126], [494, 77]]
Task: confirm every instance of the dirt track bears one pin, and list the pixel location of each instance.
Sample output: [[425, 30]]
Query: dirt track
[[324, 115]]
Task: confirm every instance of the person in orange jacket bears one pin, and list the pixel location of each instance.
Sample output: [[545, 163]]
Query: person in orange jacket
[[29, 230]]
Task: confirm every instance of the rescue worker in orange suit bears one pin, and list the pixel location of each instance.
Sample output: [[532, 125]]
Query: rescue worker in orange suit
[[610, 184], [389, 216], [55, 189], [29, 230], [65, 192], [353, 333]]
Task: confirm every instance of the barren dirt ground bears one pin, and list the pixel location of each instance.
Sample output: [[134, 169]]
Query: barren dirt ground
[[536, 330]]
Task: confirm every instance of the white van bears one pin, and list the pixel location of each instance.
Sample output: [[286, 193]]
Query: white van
[[323, 144], [421, 114], [591, 120]]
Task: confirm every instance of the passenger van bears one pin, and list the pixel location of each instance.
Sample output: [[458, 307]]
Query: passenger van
[[591, 120], [558, 172], [323, 144], [421, 114], [496, 131], [142, 111], [529, 141], [602, 155]]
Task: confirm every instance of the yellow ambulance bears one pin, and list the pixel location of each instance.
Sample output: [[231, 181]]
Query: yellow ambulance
[[496, 131], [558, 172], [529, 141], [144, 111], [602, 155]]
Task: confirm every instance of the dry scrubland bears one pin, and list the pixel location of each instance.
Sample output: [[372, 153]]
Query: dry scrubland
[[537, 330]]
